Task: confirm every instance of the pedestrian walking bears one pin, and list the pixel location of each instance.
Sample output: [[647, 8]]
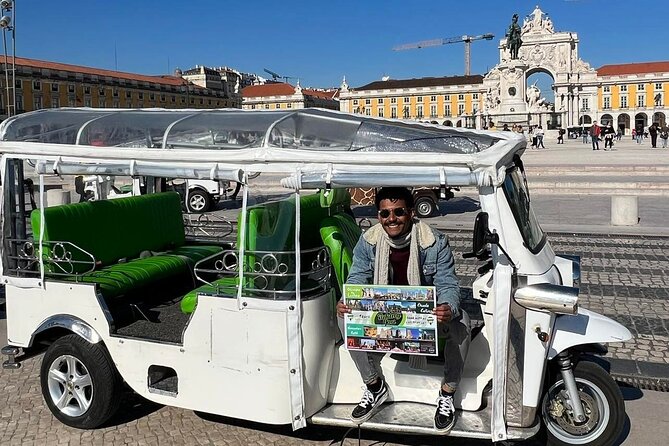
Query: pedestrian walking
[[664, 135], [540, 138], [619, 135], [595, 131], [584, 134], [639, 134], [652, 131], [560, 138], [609, 133]]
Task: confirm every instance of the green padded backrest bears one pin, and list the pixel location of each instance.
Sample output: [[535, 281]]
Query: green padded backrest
[[115, 229], [271, 226], [336, 200], [340, 233]]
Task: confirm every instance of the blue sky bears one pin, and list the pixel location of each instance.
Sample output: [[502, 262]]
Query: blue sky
[[318, 41]]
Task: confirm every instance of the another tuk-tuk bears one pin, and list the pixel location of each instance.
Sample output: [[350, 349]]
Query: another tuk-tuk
[[217, 313]]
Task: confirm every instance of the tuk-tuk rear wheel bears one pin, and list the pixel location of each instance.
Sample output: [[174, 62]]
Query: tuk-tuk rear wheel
[[79, 382], [602, 403]]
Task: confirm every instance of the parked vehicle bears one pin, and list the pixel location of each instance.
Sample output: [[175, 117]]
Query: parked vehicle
[[121, 291], [198, 195]]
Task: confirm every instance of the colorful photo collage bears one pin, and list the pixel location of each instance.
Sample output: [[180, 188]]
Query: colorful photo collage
[[389, 318]]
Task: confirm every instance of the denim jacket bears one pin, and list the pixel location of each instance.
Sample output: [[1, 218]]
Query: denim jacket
[[437, 265]]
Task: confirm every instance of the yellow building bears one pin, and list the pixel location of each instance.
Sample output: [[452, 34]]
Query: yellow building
[[41, 84], [283, 96], [453, 101], [630, 95]]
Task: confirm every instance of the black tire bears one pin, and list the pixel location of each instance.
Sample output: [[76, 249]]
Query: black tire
[[105, 385], [425, 207], [198, 201], [604, 423]]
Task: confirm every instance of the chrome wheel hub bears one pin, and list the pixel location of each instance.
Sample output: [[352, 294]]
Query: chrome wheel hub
[[70, 385]]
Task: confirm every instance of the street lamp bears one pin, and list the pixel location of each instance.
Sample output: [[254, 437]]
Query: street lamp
[[8, 13]]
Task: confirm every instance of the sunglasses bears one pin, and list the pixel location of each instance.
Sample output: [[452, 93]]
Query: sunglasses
[[398, 212]]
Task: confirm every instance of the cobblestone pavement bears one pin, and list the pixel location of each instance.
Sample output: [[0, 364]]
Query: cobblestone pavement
[[624, 277]]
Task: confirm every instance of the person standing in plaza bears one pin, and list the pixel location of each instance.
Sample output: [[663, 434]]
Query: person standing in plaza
[[664, 135], [584, 135], [540, 137], [639, 133], [595, 131], [560, 138], [652, 130], [609, 133], [532, 136]]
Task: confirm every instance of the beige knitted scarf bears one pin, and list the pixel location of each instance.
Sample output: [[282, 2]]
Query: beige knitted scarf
[[382, 268]]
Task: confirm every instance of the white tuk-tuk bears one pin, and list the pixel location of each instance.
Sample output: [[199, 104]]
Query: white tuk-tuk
[[218, 313]]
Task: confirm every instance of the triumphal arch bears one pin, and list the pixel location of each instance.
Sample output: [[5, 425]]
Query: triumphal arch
[[508, 98]]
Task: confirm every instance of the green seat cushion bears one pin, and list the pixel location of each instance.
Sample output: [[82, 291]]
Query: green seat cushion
[[226, 285], [195, 253], [340, 233], [123, 278]]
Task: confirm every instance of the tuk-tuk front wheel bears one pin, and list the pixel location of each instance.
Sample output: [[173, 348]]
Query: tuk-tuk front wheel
[[602, 403], [79, 382]]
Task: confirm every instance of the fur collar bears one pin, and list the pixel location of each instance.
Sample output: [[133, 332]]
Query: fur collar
[[425, 235]]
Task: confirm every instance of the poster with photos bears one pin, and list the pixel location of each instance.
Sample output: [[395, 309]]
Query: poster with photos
[[391, 318]]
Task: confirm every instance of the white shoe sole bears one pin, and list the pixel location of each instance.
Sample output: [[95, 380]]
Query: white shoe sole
[[447, 429], [376, 408]]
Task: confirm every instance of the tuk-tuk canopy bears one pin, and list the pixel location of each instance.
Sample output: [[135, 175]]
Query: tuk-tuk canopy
[[305, 137]]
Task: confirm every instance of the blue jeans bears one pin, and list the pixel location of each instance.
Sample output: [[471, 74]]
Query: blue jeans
[[639, 138], [595, 143], [457, 334], [664, 143]]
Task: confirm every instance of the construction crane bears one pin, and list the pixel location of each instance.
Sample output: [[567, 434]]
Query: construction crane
[[276, 76], [436, 42]]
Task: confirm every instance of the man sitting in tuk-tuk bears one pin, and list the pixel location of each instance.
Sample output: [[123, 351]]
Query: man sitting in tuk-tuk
[[400, 250]]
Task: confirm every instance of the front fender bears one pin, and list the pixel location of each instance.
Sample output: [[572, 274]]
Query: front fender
[[71, 323], [585, 327]]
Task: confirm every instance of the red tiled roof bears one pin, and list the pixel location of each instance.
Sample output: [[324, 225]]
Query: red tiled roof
[[57, 66], [327, 94], [633, 68], [423, 82], [264, 90]]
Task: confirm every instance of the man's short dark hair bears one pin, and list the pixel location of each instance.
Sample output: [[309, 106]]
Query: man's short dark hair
[[394, 194]]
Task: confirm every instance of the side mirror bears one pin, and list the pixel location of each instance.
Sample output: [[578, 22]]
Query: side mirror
[[481, 237]]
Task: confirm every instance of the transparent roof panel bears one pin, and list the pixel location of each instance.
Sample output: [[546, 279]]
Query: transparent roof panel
[[58, 126], [132, 128], [379, 136], [304, 129], [222, 129]]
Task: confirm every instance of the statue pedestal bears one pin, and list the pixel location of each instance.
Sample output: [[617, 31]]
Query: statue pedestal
[[512, 88]]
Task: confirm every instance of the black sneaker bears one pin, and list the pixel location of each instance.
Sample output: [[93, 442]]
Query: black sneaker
[[369, 403], [444, 418]]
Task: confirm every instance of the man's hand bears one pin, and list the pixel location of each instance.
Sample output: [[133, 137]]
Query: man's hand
[[342, 308], [443, 312]]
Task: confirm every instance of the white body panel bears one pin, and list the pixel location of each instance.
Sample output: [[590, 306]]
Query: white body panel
[[586, 327], [229, 357]]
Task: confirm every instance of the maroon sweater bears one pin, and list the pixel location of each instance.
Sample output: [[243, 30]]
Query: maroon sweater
[[399, 261]]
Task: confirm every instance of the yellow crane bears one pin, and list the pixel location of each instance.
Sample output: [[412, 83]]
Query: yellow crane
[[437, 42]]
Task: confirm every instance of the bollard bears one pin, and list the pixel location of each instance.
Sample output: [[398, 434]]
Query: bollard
[[56, 197], [624, 210]]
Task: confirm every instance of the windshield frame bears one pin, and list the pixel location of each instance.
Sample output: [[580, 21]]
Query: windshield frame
[[526, 221]]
